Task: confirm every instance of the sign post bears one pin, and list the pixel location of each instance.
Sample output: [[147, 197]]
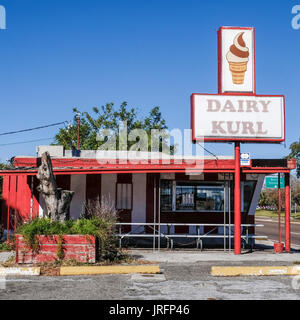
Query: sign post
[[237, 200], [236, 114]]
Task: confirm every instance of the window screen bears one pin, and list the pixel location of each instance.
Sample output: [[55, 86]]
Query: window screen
[[124, 196]]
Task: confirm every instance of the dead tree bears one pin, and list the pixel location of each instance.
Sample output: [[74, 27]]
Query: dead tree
[[56, 199]]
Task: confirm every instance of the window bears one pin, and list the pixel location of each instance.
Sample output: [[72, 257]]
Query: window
[[124, 196], [191, 196], [249, 187], [185, 197], [166, 195]]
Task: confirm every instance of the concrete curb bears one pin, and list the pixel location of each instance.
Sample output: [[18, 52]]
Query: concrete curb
[[230, 271], [94, 270], [24, 271]]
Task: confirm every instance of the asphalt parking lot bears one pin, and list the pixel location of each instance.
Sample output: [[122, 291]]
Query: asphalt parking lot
[[177, 282], [180, 283], [185, 276]]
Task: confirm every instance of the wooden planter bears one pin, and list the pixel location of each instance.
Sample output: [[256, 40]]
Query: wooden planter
[[81, 248]]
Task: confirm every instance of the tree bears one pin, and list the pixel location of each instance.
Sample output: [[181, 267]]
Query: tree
[[107, 117], [295, 153], [57, 200], [269, 197], [295, 191]]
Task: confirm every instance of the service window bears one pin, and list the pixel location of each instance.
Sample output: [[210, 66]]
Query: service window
[[166, 195], [124, 196], [191, 196]]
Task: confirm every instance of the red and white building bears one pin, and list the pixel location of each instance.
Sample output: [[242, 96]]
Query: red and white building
[[170, 190]]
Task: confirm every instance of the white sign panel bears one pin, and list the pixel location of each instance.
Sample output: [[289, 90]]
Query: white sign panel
[[238, 118], [245, 159], [236, 60]]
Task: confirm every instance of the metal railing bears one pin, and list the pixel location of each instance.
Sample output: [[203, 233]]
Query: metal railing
[[157, 234]]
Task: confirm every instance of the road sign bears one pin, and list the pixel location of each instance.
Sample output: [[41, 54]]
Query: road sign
[[272, 182], [245, 159]]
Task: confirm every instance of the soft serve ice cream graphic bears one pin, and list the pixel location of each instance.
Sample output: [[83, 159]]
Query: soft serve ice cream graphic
[[238, 57]]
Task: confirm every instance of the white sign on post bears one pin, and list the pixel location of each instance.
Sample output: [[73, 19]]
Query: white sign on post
[[246, 118], [245, 159], [236, 60]]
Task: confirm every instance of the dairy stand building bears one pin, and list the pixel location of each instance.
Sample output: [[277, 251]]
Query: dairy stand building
[[183, 200], [177, 198]]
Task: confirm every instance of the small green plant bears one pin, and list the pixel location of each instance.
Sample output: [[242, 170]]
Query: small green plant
[[4, 246], [60, 250], [100, 227]]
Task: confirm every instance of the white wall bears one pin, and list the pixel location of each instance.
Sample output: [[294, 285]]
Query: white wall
[[108, 186], [42, 206], [256, 195], [139, 197], [78, 185]]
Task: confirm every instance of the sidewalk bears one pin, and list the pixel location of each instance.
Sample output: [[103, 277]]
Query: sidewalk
[[4, 256], [262, 254]]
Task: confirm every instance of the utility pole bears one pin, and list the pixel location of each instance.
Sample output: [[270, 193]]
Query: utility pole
[[78, 130]]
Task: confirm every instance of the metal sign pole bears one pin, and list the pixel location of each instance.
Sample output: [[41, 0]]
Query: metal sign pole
[[154, 212], [159, 214], [224, 204], [237, 201], [279, 208], [229, 218]]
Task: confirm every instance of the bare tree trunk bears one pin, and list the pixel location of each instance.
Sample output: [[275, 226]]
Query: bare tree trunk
[[57, 200]]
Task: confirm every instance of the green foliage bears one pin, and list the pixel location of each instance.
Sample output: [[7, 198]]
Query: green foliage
[[97, 227], [6, 247], [60, 250], [295, 153], [269, 197], [107, 117]]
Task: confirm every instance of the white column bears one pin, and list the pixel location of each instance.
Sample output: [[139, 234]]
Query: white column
[[78, 185], [108, 186], [139, 197]]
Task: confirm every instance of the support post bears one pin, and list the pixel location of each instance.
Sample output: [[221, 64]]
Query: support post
[[237, 200], [279, 208], [154, 213], [287, 213], [8, 209], [78, 130]]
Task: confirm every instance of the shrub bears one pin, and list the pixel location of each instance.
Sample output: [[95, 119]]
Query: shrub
[[102, 230], [4, 246], [106, 214]]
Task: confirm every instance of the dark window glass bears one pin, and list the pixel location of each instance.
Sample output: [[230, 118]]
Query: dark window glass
[[185, 197], [199, 197], [166, 195], [249, 187]]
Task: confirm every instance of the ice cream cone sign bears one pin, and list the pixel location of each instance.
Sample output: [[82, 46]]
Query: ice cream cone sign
[[236, 60], [238, 57]]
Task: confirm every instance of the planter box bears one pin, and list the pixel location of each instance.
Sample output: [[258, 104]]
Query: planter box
[[81, 248]]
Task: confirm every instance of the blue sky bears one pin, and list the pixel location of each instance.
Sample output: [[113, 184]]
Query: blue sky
[[57, 54]]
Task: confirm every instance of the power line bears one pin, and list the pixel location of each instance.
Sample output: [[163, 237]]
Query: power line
[[36, 128], [208, 151], [23, 142]]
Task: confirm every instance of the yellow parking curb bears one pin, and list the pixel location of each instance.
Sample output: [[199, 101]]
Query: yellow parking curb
[[230, 271], [91, 270], [22, 271]]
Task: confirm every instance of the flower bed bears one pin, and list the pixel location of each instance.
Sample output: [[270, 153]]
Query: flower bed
[[81, 248]]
